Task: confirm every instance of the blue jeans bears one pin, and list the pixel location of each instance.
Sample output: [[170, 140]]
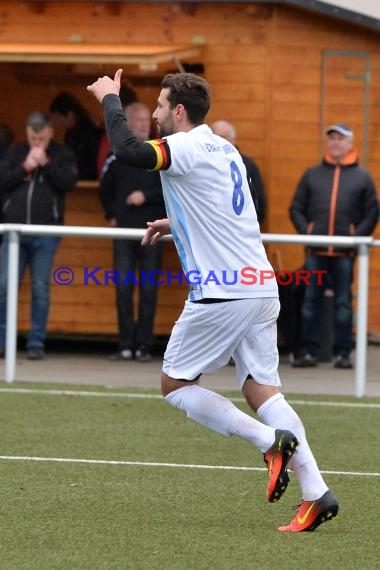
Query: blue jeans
[[339, 278], [37, 252], [130, 255]]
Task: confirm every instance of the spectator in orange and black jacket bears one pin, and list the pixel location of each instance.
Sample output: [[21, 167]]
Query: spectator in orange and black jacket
[[337, 197]]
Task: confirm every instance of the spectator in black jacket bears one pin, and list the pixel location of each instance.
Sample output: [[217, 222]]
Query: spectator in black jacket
[[6, 138], [227, 131], [337, 197], [34, 178], [82, 135], [131, 197]]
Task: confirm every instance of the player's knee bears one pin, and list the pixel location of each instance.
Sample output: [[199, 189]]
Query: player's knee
[[169, 384], [256, 394], [165, 385]]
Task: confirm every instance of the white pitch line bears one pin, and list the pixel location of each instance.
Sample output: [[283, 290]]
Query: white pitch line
[[146, 396], [157, 464], [335, 404], [80, 393]]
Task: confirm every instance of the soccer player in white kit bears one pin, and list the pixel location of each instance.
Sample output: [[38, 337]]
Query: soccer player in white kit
[[233, 304]]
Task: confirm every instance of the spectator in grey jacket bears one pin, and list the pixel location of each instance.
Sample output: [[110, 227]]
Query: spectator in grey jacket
[[337, 197]]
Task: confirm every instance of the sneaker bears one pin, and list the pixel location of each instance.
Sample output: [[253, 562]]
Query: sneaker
[[125, 354], [35, 353], [305, 361], [313, 513], [142, 353], [342, 362], [277, 458]]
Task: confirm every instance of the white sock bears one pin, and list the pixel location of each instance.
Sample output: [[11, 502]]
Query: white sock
[[219, 414], [276, 412]]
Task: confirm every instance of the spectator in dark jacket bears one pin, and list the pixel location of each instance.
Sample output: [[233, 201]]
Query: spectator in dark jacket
[[82, 135], [6, 138], [34, 178], [130, 198], [337, 197], [227, 131]]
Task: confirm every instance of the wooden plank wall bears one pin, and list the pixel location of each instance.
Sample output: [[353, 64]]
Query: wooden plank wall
[[264, 63], [85, 307], [299, 39]]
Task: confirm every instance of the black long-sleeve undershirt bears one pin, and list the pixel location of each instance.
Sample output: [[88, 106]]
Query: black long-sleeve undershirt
[[124, 144]]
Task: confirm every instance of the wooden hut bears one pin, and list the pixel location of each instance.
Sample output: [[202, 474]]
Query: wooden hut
[[280, 71]]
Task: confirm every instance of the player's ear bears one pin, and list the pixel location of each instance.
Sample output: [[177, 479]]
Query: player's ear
[[180, 111]]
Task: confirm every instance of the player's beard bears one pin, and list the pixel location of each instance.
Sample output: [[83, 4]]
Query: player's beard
[[167, 127]]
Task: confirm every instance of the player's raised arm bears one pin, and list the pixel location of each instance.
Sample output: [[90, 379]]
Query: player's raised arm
[[150, 155], [106, 86]]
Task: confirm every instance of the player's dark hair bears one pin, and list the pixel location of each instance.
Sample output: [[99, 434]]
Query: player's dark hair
[[191, 91]]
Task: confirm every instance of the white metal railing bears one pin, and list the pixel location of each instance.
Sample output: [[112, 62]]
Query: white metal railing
[[362, 244]]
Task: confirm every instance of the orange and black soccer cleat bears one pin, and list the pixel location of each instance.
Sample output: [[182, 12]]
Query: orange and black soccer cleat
[[277, 458], [313, 513]]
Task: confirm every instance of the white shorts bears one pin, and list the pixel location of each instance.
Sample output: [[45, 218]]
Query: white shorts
[[206, 336]]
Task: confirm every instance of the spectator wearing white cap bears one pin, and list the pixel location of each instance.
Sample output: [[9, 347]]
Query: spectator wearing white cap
[[336, 197]]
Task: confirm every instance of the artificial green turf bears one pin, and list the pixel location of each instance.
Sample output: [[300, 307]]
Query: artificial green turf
[[79, 516]]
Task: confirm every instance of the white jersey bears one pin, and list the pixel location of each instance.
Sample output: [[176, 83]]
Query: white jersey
[[213, 219]]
